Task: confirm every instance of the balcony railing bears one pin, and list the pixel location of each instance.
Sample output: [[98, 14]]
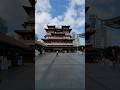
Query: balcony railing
[[58, 38], [59, 43]]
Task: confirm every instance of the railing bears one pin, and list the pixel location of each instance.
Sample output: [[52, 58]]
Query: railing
[[59, 43], [58, 38]]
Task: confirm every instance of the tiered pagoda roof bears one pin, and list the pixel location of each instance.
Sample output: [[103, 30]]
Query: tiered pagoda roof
[[65, 27], [58, 39], [29, 10], [28, 23], [23, 32], [28, 34], [64, 39], [32, 2], [52, 27], [59, 32], [59, 35]]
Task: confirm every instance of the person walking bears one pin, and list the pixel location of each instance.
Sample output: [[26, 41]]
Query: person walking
[[82, 50], [57, 53]]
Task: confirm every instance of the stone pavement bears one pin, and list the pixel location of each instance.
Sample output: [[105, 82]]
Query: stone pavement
[[67, 71], [102, 77], [18, 78], [63, 72]]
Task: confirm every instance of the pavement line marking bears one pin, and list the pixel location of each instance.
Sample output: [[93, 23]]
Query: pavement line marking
[[48, 69]]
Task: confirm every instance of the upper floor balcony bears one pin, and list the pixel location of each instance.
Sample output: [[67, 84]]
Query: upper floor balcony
[[58, 38], [58, 33], [59, 44]]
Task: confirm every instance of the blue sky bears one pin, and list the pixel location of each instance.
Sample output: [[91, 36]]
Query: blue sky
[[58, 7], [60, 12]]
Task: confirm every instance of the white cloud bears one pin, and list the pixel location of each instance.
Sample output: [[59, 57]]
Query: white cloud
[[43, 5], [41, 20], [77, 2], [72, 17]]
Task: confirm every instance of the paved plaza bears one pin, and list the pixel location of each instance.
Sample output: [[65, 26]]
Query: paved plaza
[[67, 71], [18, 78], [63, 72], [102, 77]]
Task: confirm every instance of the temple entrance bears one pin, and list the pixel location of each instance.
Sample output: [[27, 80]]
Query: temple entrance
[[57, 49]]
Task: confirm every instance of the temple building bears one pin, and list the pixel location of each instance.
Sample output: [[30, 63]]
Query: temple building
[[28, 34], [17, 51], [58, 39]]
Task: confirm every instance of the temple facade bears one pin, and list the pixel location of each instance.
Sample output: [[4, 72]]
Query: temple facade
[[28, 34], [15, 51], [58, 39]]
